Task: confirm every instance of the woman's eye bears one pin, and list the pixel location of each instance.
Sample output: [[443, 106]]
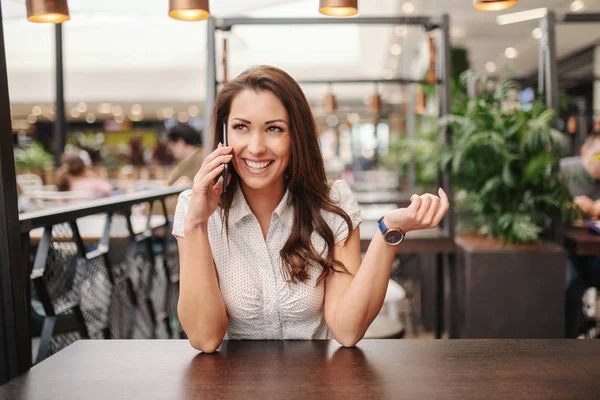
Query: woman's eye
[[239, 127], [274, 129]]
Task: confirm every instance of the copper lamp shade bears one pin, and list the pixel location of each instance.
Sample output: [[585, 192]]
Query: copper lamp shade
[[53, 11], [375, 103], [189, 10], [493, 5], [330, 103], [338, 8]]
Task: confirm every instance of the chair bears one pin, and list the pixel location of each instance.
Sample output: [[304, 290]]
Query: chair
[[387, 324]]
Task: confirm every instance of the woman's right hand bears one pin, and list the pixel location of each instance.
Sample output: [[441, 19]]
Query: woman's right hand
[[205, 195]]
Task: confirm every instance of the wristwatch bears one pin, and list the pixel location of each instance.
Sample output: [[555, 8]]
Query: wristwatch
[[392, 236]]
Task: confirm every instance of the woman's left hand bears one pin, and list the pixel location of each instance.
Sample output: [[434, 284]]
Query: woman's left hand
[[425, 212]]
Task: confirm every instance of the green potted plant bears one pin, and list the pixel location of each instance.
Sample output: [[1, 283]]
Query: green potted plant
[[507, 189], [420, 150], [34, 159]]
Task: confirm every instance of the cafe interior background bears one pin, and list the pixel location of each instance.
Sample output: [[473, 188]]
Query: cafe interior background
[[110, 82]]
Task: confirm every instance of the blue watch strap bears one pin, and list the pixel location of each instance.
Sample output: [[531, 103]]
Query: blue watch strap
[[382, 227]]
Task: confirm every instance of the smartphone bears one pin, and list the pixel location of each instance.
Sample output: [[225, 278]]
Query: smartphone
[[225, 172]]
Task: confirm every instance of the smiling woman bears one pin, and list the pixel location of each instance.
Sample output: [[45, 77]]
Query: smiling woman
[[277, 256]]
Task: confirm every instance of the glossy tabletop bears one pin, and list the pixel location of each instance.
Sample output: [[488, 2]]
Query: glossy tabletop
[[375, 369]]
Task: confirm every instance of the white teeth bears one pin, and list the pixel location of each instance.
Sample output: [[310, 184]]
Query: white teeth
[[257, 165]]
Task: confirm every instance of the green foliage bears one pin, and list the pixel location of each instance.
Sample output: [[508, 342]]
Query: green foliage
[[34, 157], [503, 163], [424, 150]]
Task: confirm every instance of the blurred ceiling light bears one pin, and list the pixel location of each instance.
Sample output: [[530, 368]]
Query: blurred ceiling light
[[36, 110], [332, 120], [512, 18], [116, 110], [511, 53], [338, 8], [168, 112], [136, 109], [104, 108], [120, 118], [395, 49], [31, 118], [537, 33], [90, 118], [82, 107], [387, 73], [458, 32], [52, 11], [136, 117], [408, 7], [75, 113], [490, 67], [189, 10], [493, 5], [576, 6], [183, 117], [49, 112], [401, 30], [353, 118], [193, 111]]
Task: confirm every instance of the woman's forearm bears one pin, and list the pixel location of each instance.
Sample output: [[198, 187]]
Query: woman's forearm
[[200, 308], [364, 297]]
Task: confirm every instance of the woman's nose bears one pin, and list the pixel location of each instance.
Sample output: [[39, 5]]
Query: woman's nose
[[256, 145]]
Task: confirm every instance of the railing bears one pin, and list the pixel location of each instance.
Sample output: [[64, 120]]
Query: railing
[[99, 271]]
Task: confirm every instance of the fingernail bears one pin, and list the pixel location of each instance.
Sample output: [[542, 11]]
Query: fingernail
[[220, 145], [412, 197]]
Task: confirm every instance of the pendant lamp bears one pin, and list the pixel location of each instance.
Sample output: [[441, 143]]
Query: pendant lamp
[[493, 5], [225, 60], [338, 8], [53, 11], [431, 73], [376, 103], [189, 10], [330, 102]]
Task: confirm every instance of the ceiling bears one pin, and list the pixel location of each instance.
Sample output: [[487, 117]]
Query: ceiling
[[486, 40], [127, 52]]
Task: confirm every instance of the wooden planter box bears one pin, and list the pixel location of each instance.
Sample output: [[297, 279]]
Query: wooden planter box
[[509, 292]]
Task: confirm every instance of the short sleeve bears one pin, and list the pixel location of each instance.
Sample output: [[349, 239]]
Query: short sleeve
[[180, 212], [342, 195]]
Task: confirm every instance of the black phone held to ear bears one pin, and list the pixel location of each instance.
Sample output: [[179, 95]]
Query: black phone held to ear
[[225, 172]]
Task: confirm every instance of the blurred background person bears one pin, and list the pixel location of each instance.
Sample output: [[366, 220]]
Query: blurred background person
[[185, 144], [75, 176], [582, 272]]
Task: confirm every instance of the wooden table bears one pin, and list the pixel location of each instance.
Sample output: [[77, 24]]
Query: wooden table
[[582, 242], [265, 370]]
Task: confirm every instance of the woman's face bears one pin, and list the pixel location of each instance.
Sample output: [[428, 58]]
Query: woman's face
[[258, 130]]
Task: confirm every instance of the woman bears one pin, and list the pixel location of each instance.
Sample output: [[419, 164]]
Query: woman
[[75, 176], [277, 256]]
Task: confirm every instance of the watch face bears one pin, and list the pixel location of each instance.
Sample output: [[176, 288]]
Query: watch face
[[394, 237]]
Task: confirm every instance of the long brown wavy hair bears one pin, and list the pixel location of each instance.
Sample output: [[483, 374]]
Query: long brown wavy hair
[[305, 173]]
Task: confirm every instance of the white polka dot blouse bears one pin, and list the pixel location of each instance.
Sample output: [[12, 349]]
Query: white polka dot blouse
[[260, 302]]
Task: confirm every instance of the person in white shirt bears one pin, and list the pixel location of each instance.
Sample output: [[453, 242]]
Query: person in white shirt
[[277, 255]]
